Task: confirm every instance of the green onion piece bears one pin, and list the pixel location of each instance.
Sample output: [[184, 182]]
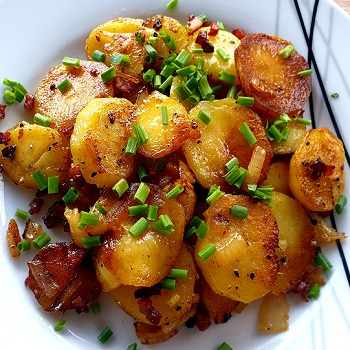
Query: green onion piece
[[108, 74], [247, 134], [41, 241], [212, 189], [341, 204], [239, 211], [314, 292], [131, 146], [204, 117], [139, 38], [64, 85], [178, 273], [149, 75], [87, 218], [9, 97], [204, 87], [157, 81], [161, 164], [277, 135], [200, 63], [232, 91], [285, 118], [142, 193], [166, 231], [335, 95], [172, 4], [261, 192], [223, 55], [224, 346], [100, 208], [95, 307], [183, 91], [186, 71], [92, 241], [243, 174], [167, 70], [303, 121], [189, 232], [166, 221], [152, 212], [221, 25], [226, 77], [202, 229], [53, 184], [206, 252], [120, 187], [138, 227], [322, 260], [197, 51], [231, 163], [140, 133], [71, 195], [195, 222], [168, 283], [151, 50], [285, 134], [233, 175], [305, 73], [98, 56], [132, 346], [141, 171], [40, 179], [175, 191], [192, 83], [213, 197], [42, 120], [149, 59], [245, 101], [182, 58], [23, 246], [71, 62], [59, 325], [194, 99], [169, 39], [287, 51], [165, 115], [120, 59], [105, 335], [20, 213], [152, 40], [203, 17], [139, 209]]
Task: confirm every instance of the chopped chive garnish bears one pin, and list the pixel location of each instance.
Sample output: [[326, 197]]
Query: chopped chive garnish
[[23, 246], [165, 115], [87, 218], [172, 4], [42, 120], [71, 195], [138, 209], [341, 204], [247, 134], [285, 118], [131, 146], [221, 25], [169, 39], [17, 92], [183, 91], [149, 59], [232, 91], [98, 56], [9, 97], [152, 212], [206, 252], [194, 99], [204, 117], [214, 196], [303, 121], [226, 77], [186, 71], [149, 75], [197, 51], [20, 213], [175, 191], [152, 40], [202, 229], [132, 346], [203, 17], [245, 101], [287, 51], [305, 73], [59, 325], [166, 231], [178, 273], [141, 171], [233, 175], [189, 232], [322, 260], [166, 83], [138, 227], [231, 163], [166, 221], [40, 179], [200, 63], [140, 134], [335, 95], [314, 292], [157, 81], [120, 59], [182, 58], [151, 50], [239, 211], [92, 241], [95, 307], [277, 135], [120, 187], [139, 38], [142, 193], [105, 335], [108, 74], [261, 192], [224, 346], [41, 241], [71, 62], [64, 85], [52, 184], [168, 283], [212, 189], [223, 55], [161, 164], [100, 209], [204, 87]]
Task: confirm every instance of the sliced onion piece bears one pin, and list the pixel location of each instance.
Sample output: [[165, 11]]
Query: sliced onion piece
[[255, 165]]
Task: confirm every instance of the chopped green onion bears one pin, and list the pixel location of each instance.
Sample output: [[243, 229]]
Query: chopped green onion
[[108, 74], [186, 71], [141, 171], [305, 73], [285, 118], [132, 346], [151, 50], [287, 51], [142, 193], [175, 191], [335, 95], [239, 211], [233, 175], [92, 241], [167, 71], [178, 273], [23, 246], [139, 209], [140, 133], [100, 208], [223, 55], [53, 184], [40, 179], [157, 81], [71, 62], [213, 197], [314, 292], [212, 189], [131, 146], [98, 56], [166, 221], [231, 163], [64, 85], [165, 115], [95, 307], [204, 87], [194, 99], [189, 232], [202, 229], [71, 195], [261, 192], [59, 325], [197, 51], [120, 59], [203, 17], [87, 218], [166, 231], [169, 39], [138, 227], [9, 97], [20, 213], [182, 58], [120, 187], [149, 75], [149, 59], [224, 346], [200, 63], [206, 252], [172, 4], [41, 241], [245, 101], [183, 91], [232, 91], [139, 38], [168, 283], [152, 40], [226, 77], [105, 335], [204, 117], [161, 164], [341, 204], [42, 120], [221, 25], [277, 135], [247, 134], [303, 121], [152, 212], [17, 92], [322, 260]]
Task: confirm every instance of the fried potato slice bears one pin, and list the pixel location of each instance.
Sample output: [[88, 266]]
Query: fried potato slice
[[99, 139], [316, 171], [277, 177], [21, 157], [63, 107], [252, 273], [273, 81]]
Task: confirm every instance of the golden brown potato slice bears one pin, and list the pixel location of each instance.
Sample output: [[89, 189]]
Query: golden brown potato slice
[[253, 272], [21, 157], [99, 139], [63, 107], [296, 235], [221, 141], [273, 81], [316, 171], [278, 176]]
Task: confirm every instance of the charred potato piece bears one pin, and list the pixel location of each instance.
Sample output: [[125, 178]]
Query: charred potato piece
[[63, 107], [316, 171], [221, 141], [245, 265], [21, 157], [99, 139], [273, 81]]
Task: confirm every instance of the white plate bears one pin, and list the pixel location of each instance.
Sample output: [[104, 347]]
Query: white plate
[[36, 35]]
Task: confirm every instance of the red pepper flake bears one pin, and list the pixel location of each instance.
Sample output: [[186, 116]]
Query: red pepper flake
[[2, 111], [202, 37], [214, 29], [28, 102], [147, 308], [5, 137], [239, 33]]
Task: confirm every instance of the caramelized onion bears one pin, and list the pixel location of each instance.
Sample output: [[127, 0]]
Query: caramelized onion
[[255, 165]]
